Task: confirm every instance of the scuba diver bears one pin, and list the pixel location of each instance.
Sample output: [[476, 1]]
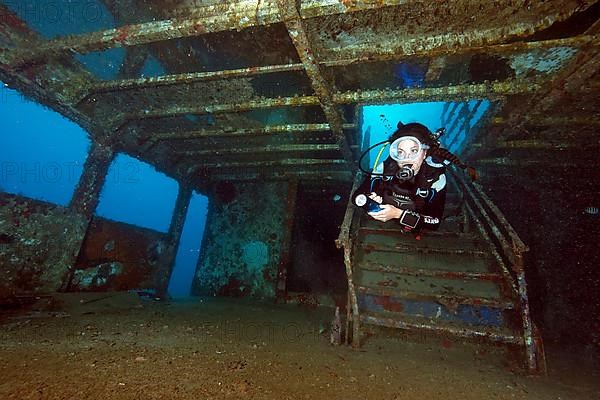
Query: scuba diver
[[410, 185]]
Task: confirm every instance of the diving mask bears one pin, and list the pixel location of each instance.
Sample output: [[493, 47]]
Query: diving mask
[[408, 152]]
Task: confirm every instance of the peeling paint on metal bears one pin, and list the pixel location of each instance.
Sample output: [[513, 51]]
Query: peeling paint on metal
[[540, 60]]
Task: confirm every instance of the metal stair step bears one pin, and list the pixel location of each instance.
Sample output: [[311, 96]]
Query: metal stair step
[[403, 248], [427, 325], [450, 223], [434, 261], [439, 241], [450, 301], [427, 285], [397, 230], [430, 273]]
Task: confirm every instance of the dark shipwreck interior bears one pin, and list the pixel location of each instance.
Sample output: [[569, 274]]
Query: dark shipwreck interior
[[260, 106]]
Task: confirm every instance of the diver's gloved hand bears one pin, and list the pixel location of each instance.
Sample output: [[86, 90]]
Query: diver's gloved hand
[[387, 212]]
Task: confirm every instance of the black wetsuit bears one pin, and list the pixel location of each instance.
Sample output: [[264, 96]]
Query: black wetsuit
[[424, 195]]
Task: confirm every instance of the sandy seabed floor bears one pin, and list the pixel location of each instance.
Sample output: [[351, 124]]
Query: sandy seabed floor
[[120, 347]]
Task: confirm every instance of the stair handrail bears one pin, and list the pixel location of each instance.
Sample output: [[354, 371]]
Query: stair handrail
[[509, 246], [513, 248], [344, 241]]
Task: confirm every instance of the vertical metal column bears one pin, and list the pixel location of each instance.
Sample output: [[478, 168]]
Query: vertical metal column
[[87, 193], [281, 289], [163, 274], [86, 196]]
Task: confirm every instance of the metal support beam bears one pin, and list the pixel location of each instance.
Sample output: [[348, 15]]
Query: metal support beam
[[243, 14], [86, 196], [182, 79], [536, 144], [542, 122], [298, 162], [163, 275], [340, 176], [304, 148], [234, 132], [454, 43], [286, 241], [87, 193], [258, 104], [293, 23], [448, 93], [195, 21]]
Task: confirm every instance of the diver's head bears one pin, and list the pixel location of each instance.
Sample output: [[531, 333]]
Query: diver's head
[[409, 145]]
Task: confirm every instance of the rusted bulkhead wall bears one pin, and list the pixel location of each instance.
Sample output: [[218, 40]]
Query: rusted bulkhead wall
[[243, 238], [39, 242], [119, 256]]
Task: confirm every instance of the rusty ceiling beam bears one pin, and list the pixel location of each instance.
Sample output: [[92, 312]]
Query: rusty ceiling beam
[[452, 42], [232, 132], [578, 71], [236, 15], [544, 121], [438, 48], [448, 93], [258, 104], [345, 176], [488, 91], [263, 149], [528, 163], [289, 162], [180, 79], [295, 28], [176, 79], [535, 144]]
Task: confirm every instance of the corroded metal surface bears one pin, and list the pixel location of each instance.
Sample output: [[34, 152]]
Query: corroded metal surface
[[257, 104], [183, 79], [241, 248], [119, 256], [427, 326], [189, 78], [461, 275], [187, 22], [266, 130], [454, 93], [286, 242], [267, 164], [293, 23], [39, 242], [87, 194], [459, 92], [265, 149], [316, 177], [421, 26]]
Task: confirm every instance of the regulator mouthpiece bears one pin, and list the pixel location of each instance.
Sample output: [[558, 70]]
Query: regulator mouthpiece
[[405, 173]]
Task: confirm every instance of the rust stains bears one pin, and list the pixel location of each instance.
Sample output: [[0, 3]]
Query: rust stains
[[389, 303]]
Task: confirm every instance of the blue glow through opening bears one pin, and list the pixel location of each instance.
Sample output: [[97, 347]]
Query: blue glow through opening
[[42, 154], [180, 284], [135, 193], [380, 121]]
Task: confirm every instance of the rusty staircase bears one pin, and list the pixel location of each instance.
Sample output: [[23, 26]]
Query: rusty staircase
[[464, 280]]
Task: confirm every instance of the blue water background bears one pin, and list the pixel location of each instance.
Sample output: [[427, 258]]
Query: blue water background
[[42, 155]]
